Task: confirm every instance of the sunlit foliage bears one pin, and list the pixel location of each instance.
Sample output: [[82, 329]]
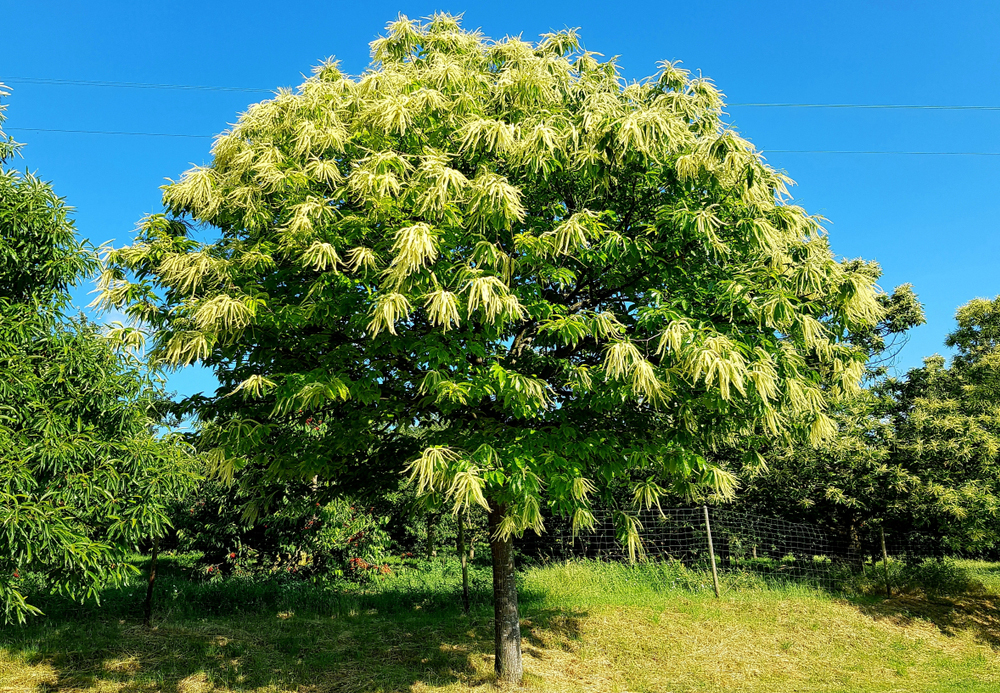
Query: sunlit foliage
[[855, 482], [948, 433], [582, 278]]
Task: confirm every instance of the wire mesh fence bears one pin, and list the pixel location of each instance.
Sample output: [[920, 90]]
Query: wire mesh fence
[[743, 543]]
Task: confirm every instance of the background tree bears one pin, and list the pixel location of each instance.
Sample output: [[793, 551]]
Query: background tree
[[850, 482], [83, 478], [568, 280], [947, 423], [917, 455]]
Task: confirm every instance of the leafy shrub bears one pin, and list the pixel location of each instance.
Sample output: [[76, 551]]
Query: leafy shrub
[[932, 576], [938, 577], [302, 533]]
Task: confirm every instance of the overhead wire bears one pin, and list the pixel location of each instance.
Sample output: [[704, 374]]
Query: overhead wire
[[194, 87], [111, 132], [764, 151], [258, 90], [129, 85], [874, 151], [891, 106]]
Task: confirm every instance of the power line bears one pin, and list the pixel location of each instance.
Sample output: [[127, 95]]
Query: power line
[[255, 90], [892, 106], [112, 132], [862, 151], [765, 151], [130, 85]]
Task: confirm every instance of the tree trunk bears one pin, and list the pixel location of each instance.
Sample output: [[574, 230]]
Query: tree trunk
[[854, 554], [506, 624], [463, 554], [148, 612], [431, 535]]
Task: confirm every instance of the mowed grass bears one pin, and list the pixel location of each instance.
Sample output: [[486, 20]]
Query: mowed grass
[[586, 626]]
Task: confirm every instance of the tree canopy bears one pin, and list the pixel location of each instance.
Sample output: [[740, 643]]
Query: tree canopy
[[947, 423], [916, 455], [565, 279], [83, 478], [852, 481]]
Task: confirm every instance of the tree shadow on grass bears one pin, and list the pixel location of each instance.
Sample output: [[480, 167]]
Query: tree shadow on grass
[[398, 641], [978, 614]]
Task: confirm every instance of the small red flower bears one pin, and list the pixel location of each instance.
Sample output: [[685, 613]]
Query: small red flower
[[210, 569], [17, 574], [232, 555]]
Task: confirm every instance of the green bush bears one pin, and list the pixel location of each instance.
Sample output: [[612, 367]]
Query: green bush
[[301, 532], [932, 576], [938, 577]]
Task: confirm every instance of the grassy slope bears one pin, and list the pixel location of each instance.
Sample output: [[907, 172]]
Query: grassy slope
[[586, 627]]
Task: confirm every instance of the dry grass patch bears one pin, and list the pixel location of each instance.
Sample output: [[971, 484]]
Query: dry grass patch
[[779, 646]]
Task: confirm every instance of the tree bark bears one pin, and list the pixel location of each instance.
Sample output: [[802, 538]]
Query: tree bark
[[431, 535], [885, 562], [506, 623], [148, 611], [854, 554]]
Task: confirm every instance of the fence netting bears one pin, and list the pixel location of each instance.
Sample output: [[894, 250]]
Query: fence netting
[[742, 542]]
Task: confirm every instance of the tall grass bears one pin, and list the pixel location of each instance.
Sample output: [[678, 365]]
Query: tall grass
[[184, 592]]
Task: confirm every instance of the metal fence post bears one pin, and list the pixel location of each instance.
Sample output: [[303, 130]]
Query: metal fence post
[[711, 552]]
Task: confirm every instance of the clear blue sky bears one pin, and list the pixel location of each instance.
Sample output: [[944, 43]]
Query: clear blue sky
[[929, 220]]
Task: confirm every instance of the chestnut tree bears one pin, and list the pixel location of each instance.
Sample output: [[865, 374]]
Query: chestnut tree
[[84, 476], [562, 279]]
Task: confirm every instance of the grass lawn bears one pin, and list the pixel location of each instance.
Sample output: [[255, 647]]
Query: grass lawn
[[586, 626]]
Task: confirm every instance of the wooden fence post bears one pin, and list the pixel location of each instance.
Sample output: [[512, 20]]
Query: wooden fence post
[[885, 562], [147, 615], [711, 552], [464, 554]]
